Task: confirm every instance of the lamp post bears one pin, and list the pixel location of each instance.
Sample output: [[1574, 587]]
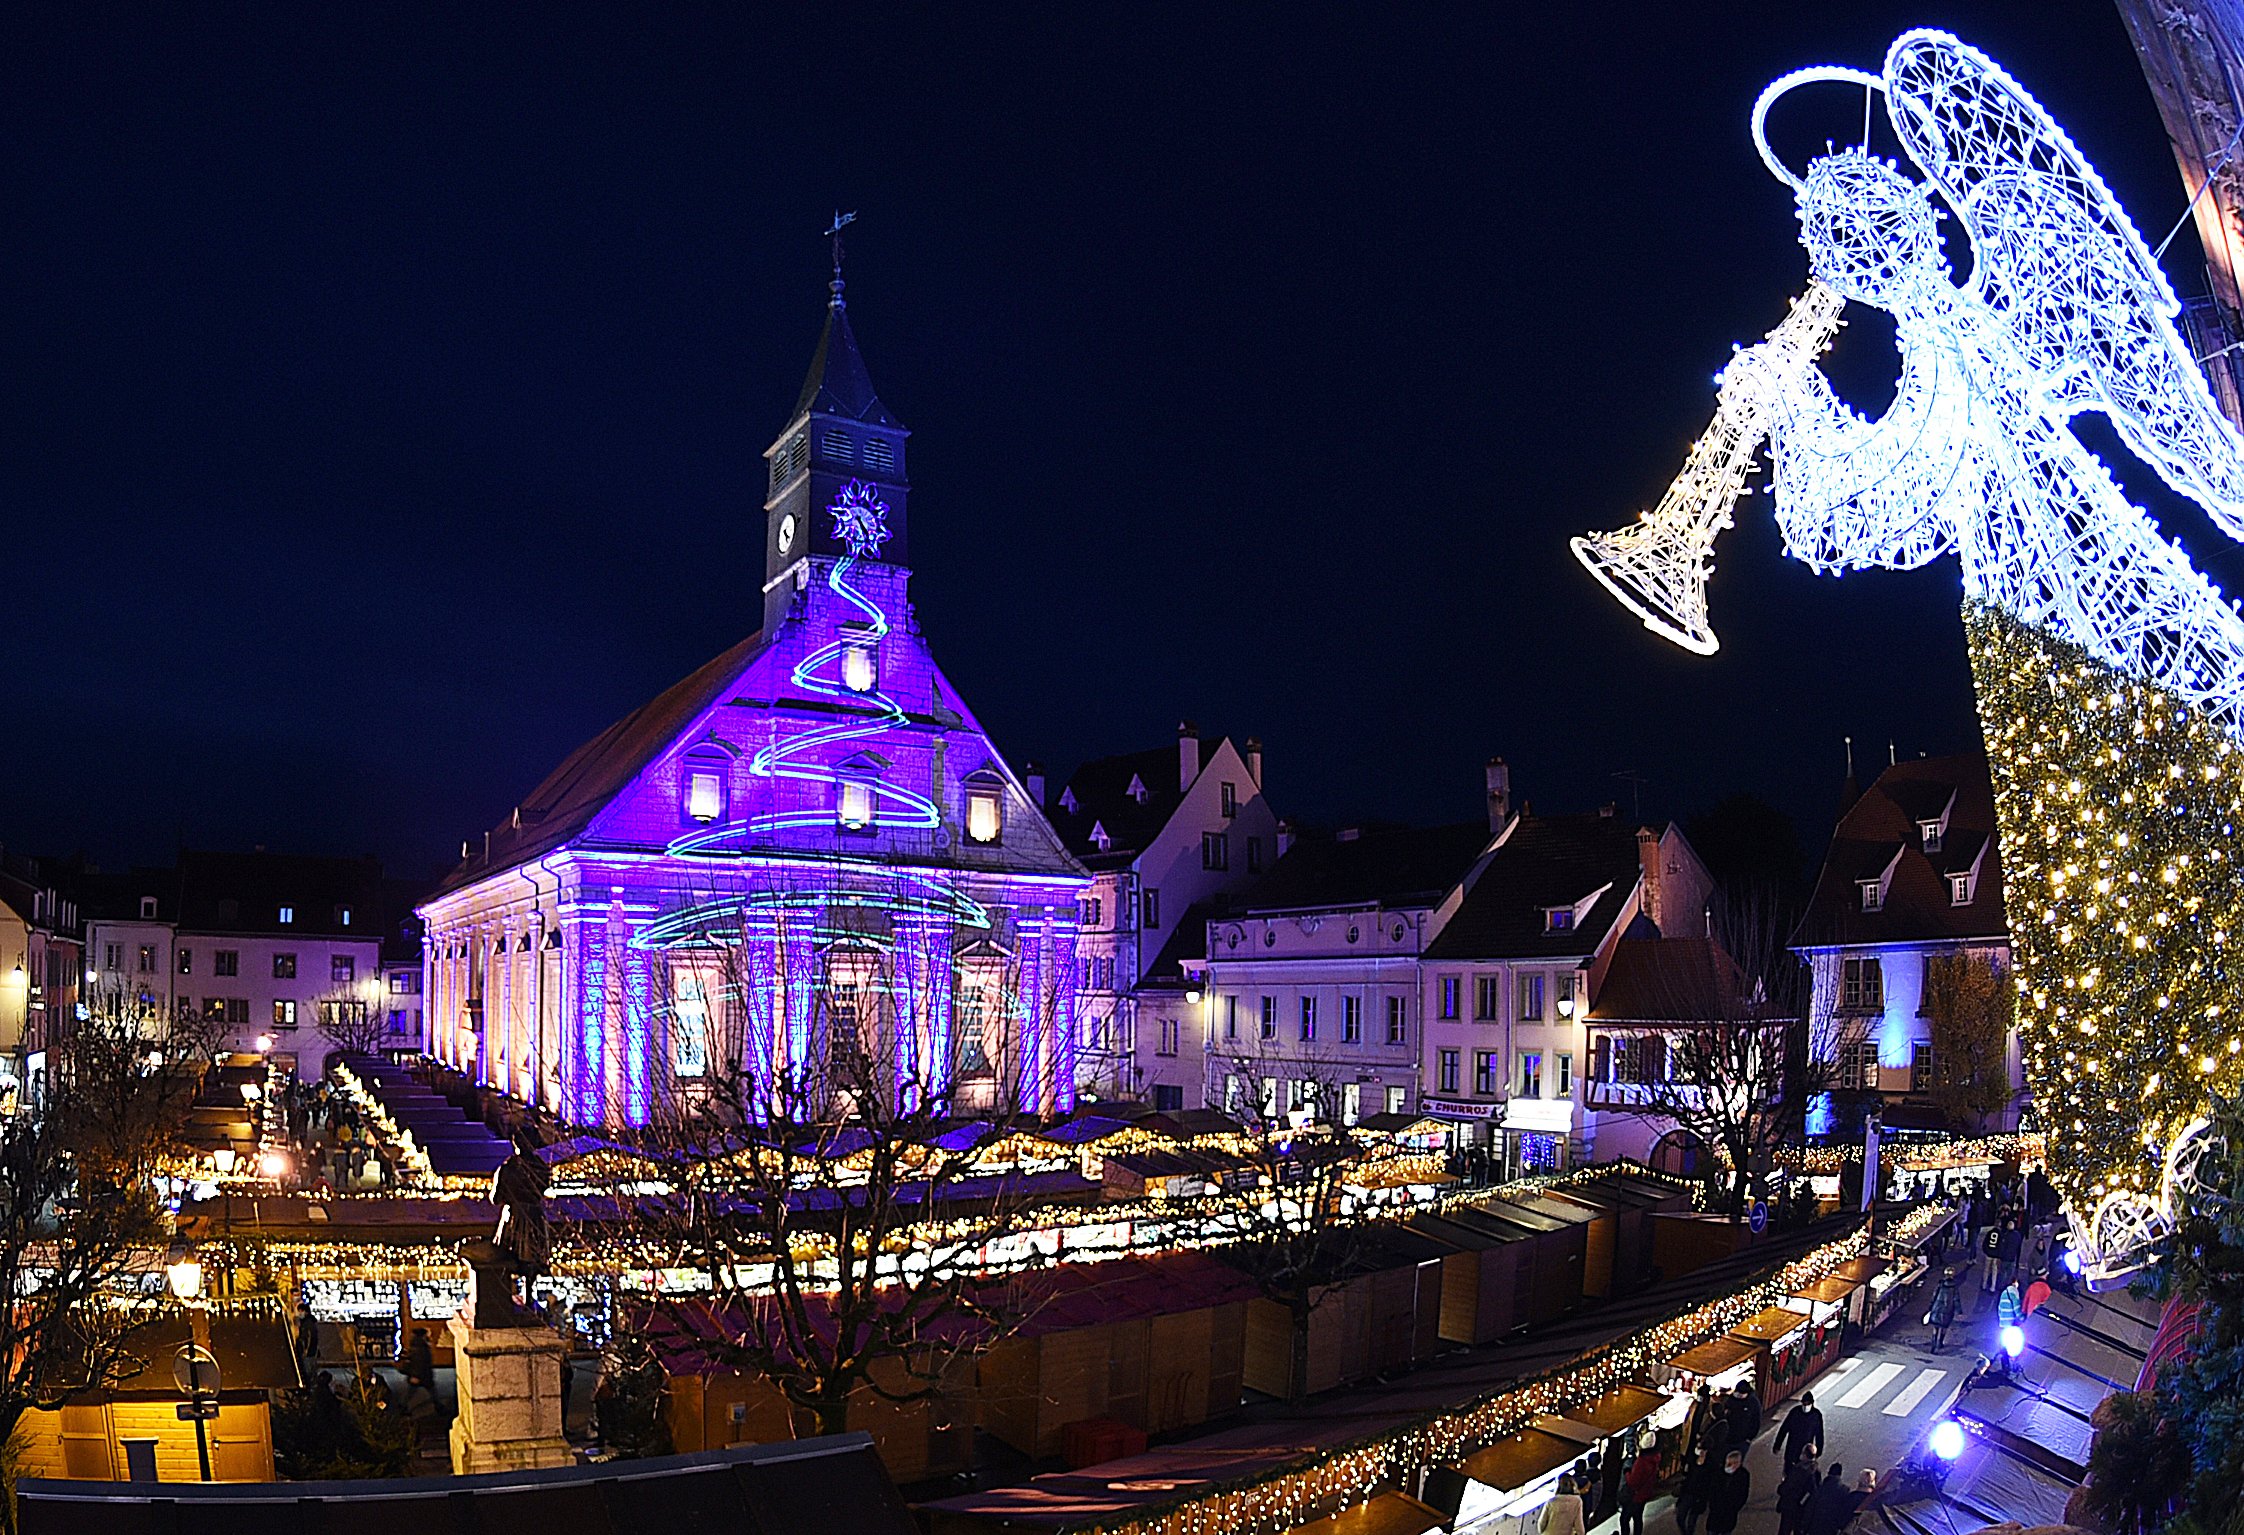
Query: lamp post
[[185, 1274], [224, 1159]]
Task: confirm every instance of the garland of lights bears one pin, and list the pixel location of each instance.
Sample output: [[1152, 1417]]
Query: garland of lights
[[1287, 1498], [2110, 672]]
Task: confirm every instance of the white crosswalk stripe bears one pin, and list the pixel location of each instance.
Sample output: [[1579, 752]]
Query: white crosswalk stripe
[[1842, 1367], [1870, 1385], [1905, 1401]]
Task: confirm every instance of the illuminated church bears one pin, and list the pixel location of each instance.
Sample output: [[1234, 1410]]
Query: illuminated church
[[807, 851]]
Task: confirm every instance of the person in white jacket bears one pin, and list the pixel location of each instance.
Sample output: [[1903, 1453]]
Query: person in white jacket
[[1562, 1515]]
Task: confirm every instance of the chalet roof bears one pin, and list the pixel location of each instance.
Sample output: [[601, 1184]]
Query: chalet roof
[[1100, 792], [1917, 906], [837, 383], [1395, 866], [1547, 861], [596, 772], [834, 1483]]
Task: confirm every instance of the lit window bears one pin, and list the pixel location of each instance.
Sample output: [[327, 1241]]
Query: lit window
[[1959, 890], [147, 958], [343, 915], [984, 819], [860, 666], [342, 968], [1873, 894], [1308, 1017], [1531, 1074], [1929, 833], [186, 961], [288, 914], [284, 1015], [705, 793], [1449, 990], [1558, 919], [1920, 1067], [856, 806], [284, 967]]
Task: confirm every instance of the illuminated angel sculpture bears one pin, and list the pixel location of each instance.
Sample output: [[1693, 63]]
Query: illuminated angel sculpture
[[2065, 311]]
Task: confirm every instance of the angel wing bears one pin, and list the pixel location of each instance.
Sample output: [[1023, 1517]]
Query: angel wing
[[2057, 258]]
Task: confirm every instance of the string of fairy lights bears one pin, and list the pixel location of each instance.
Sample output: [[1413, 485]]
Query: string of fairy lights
[[1349, 1474], [2118, 807]]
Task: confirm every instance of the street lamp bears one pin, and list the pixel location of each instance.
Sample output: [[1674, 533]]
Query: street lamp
[[185, 1275], [264, 1044]]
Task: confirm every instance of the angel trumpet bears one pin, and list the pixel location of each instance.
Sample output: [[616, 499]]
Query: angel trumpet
[[1658, 568]]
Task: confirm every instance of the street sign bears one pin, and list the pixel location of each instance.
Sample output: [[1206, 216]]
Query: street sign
[[190, 1412], [205, 1374], [1760, 1217]]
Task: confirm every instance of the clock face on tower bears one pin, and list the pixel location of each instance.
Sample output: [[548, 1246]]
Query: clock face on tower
[[786, 532]]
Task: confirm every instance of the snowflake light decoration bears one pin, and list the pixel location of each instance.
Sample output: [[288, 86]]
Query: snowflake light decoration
[[860, 517], [2066, 311]]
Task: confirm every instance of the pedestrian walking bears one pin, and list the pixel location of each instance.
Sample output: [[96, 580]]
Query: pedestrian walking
[[1589, 1476], [1793, 1496], [419, 1367], [1562, 1515], [1637, 1487], [2007, 1247], [1832, 1508], [1733, 1484], [1942, 1316], [1702, 1417], [1802, 1433], [1745, 1416], [307, 1334]]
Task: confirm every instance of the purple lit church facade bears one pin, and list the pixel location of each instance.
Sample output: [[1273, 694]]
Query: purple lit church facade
[[809, 833]]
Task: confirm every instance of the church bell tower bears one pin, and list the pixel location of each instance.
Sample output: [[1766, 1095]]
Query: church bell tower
[[838, 434]]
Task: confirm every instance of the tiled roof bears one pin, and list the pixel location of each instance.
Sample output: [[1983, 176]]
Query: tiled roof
[[1916, 906], [1395, 865], [1668, 980], [599, 770], [1547, 861], [1101, 794]]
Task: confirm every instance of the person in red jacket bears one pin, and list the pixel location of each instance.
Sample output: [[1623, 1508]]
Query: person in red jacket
[[1637, 1487]]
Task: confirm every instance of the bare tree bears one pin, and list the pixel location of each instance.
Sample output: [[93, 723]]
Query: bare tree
[[837, 1137], [1737, 1044], [77, 1200], [1290, 1202], [349, 1024], [1972, 1005]]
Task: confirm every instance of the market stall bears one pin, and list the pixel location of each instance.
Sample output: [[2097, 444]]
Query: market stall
[[1830, 1299], [1501, 1490], [1791, 1350], [1480, 1278]]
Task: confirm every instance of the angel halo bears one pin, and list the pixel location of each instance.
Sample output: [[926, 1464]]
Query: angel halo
[[2073, 599]]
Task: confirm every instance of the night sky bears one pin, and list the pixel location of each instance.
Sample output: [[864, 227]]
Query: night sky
[[385, 389]]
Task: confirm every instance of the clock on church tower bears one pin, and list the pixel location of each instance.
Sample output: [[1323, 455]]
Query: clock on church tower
[[838, 435]]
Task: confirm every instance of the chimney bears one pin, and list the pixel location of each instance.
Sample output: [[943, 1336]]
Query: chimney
[[1188, 754], [1499, 793], [1034, 773], [1648, 859], [1254, 759]]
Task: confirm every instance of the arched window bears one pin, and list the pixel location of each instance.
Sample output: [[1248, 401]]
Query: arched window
[[703, 784], [985, 808]]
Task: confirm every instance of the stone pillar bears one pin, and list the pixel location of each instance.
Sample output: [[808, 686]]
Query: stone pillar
[[510, 1399]]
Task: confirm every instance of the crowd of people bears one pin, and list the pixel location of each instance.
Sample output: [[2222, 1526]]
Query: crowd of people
[[340, 1151]]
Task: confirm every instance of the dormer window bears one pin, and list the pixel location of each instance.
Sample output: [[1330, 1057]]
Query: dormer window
[[860, 663], [1558, 919], [287, 915], [1137, 790], [342, 916], [1959, 889], [147, 908], [1928, 835], [1873, 893], [1101, 838], [985, 808], [1067, 800]]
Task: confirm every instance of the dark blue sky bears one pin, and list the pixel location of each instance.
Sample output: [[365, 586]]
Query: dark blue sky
[[384, 386]]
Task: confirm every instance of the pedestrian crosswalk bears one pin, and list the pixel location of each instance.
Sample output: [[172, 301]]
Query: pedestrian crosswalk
[[1870, 1385], [1906, 1399]]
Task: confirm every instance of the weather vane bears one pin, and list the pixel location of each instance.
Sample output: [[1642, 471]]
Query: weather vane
[[834, 233]]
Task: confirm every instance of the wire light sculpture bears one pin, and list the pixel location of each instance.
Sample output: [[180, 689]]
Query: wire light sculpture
[[2065, 311]]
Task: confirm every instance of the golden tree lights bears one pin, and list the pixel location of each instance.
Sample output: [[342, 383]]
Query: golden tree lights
[[2118, 807]]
